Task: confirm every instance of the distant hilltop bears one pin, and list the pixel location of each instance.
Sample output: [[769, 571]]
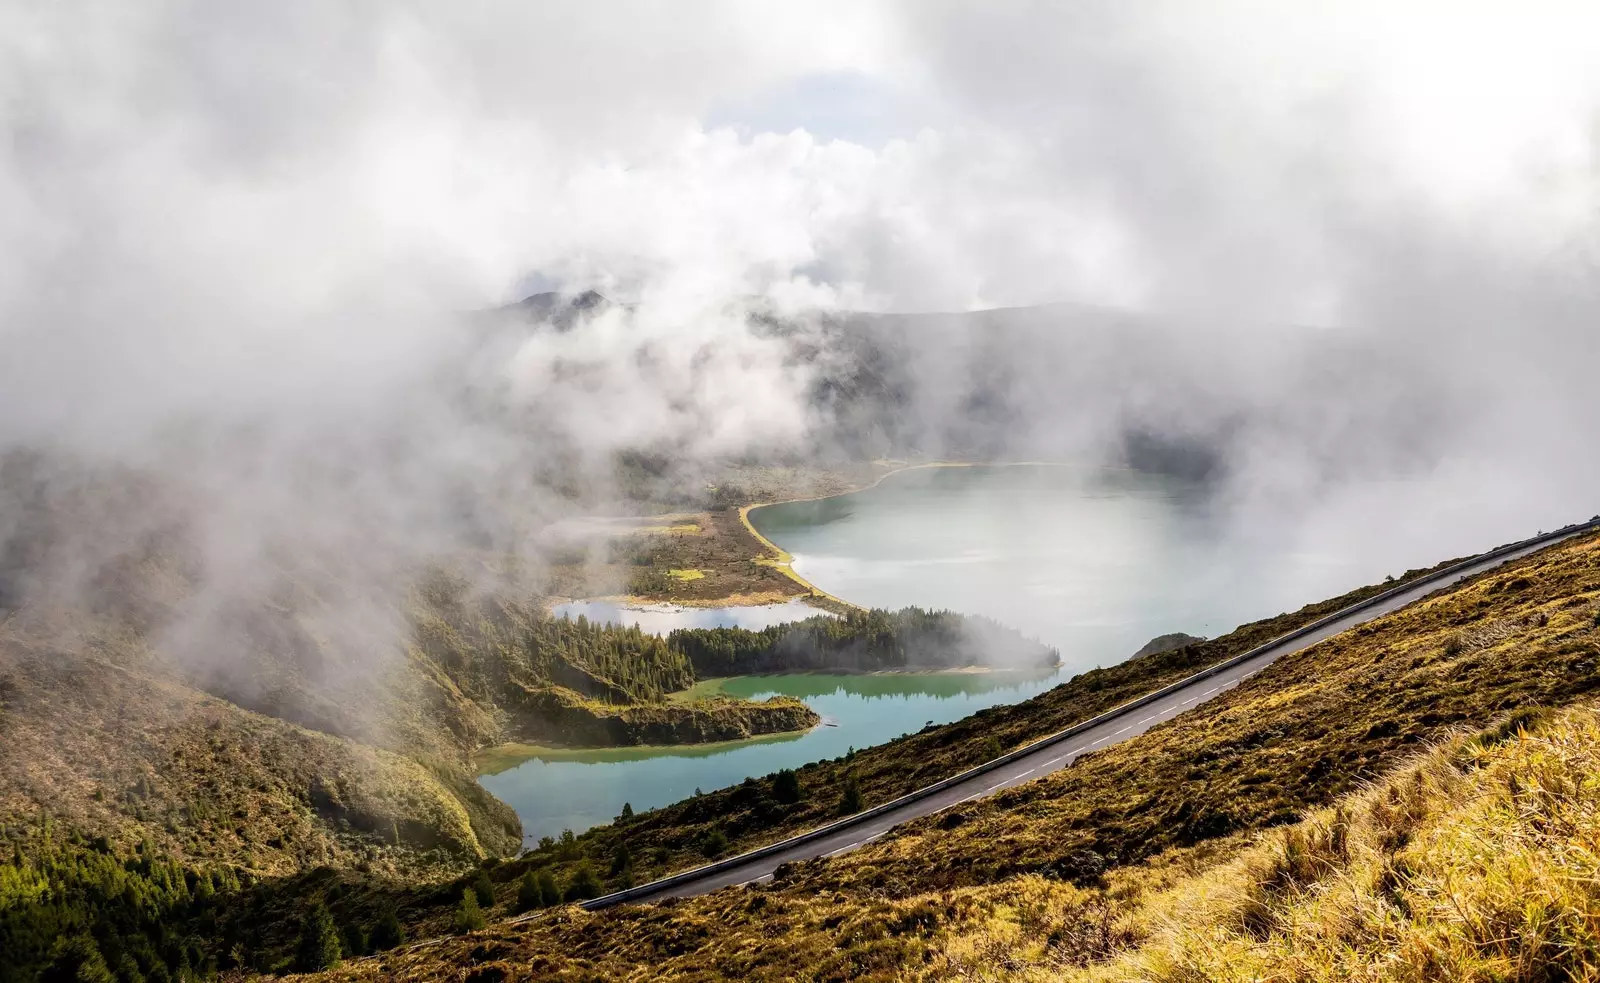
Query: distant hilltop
[[561, 310]]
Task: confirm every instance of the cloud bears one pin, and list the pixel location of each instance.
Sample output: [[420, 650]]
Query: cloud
[[1359, 243]]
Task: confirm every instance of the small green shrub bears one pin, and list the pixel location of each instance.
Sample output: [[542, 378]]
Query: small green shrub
[[786, 787], [567, 846], [714, 843], [469, 917], [387, 932], [354, 940], [583, 885], [483, 889], [528, 893], [549, 893], [621, 859], [850, 800]]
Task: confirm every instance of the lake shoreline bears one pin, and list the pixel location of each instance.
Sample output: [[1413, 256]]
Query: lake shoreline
[[515, 753], [528, 750]]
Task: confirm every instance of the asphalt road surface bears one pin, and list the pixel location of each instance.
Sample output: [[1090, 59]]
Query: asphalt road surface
[[1052, 757]]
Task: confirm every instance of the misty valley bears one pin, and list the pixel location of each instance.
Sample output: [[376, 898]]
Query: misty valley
[[1094, 562], [862, 491]]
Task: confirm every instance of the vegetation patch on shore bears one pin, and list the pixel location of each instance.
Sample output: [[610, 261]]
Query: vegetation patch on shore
[[860, 640], [559, 715]]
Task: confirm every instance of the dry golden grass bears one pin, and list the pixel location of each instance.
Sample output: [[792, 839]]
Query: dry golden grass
[[1478, 862]]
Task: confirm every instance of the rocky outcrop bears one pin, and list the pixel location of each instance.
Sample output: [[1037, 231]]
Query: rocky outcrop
[[1167, 643]]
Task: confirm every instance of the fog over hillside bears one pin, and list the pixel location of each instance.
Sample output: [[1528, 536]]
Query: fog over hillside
[[1342, 262]]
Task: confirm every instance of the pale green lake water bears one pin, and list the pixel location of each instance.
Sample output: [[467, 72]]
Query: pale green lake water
[[1094, 562]]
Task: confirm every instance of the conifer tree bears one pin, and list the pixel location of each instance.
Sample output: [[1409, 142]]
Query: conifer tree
[[128, 970], [469, 917], [319, 946], [76, 958]]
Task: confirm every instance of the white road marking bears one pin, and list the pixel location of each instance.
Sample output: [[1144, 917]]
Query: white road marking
[[1149, 718], [852, 846], [1100, 742], [1123, 730], [1188, 701]]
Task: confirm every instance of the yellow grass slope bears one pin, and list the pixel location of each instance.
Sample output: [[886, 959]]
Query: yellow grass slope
[[1480, 862]]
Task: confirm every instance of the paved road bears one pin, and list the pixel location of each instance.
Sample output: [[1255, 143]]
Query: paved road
[[1053, 757]]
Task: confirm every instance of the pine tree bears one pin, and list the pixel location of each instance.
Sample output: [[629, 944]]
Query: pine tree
[[319, 940], [469, 917], [627, 811], [128, 970], [74, 959]]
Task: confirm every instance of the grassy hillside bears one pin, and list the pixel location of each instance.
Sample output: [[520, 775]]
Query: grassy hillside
[[1066, 873], [108, 751]]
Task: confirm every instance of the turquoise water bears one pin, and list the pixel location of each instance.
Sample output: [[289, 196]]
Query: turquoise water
[[1094, 562], [558, 789]]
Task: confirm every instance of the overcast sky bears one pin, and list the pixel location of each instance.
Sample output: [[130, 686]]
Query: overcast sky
[[911, 155], [253, 214]]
